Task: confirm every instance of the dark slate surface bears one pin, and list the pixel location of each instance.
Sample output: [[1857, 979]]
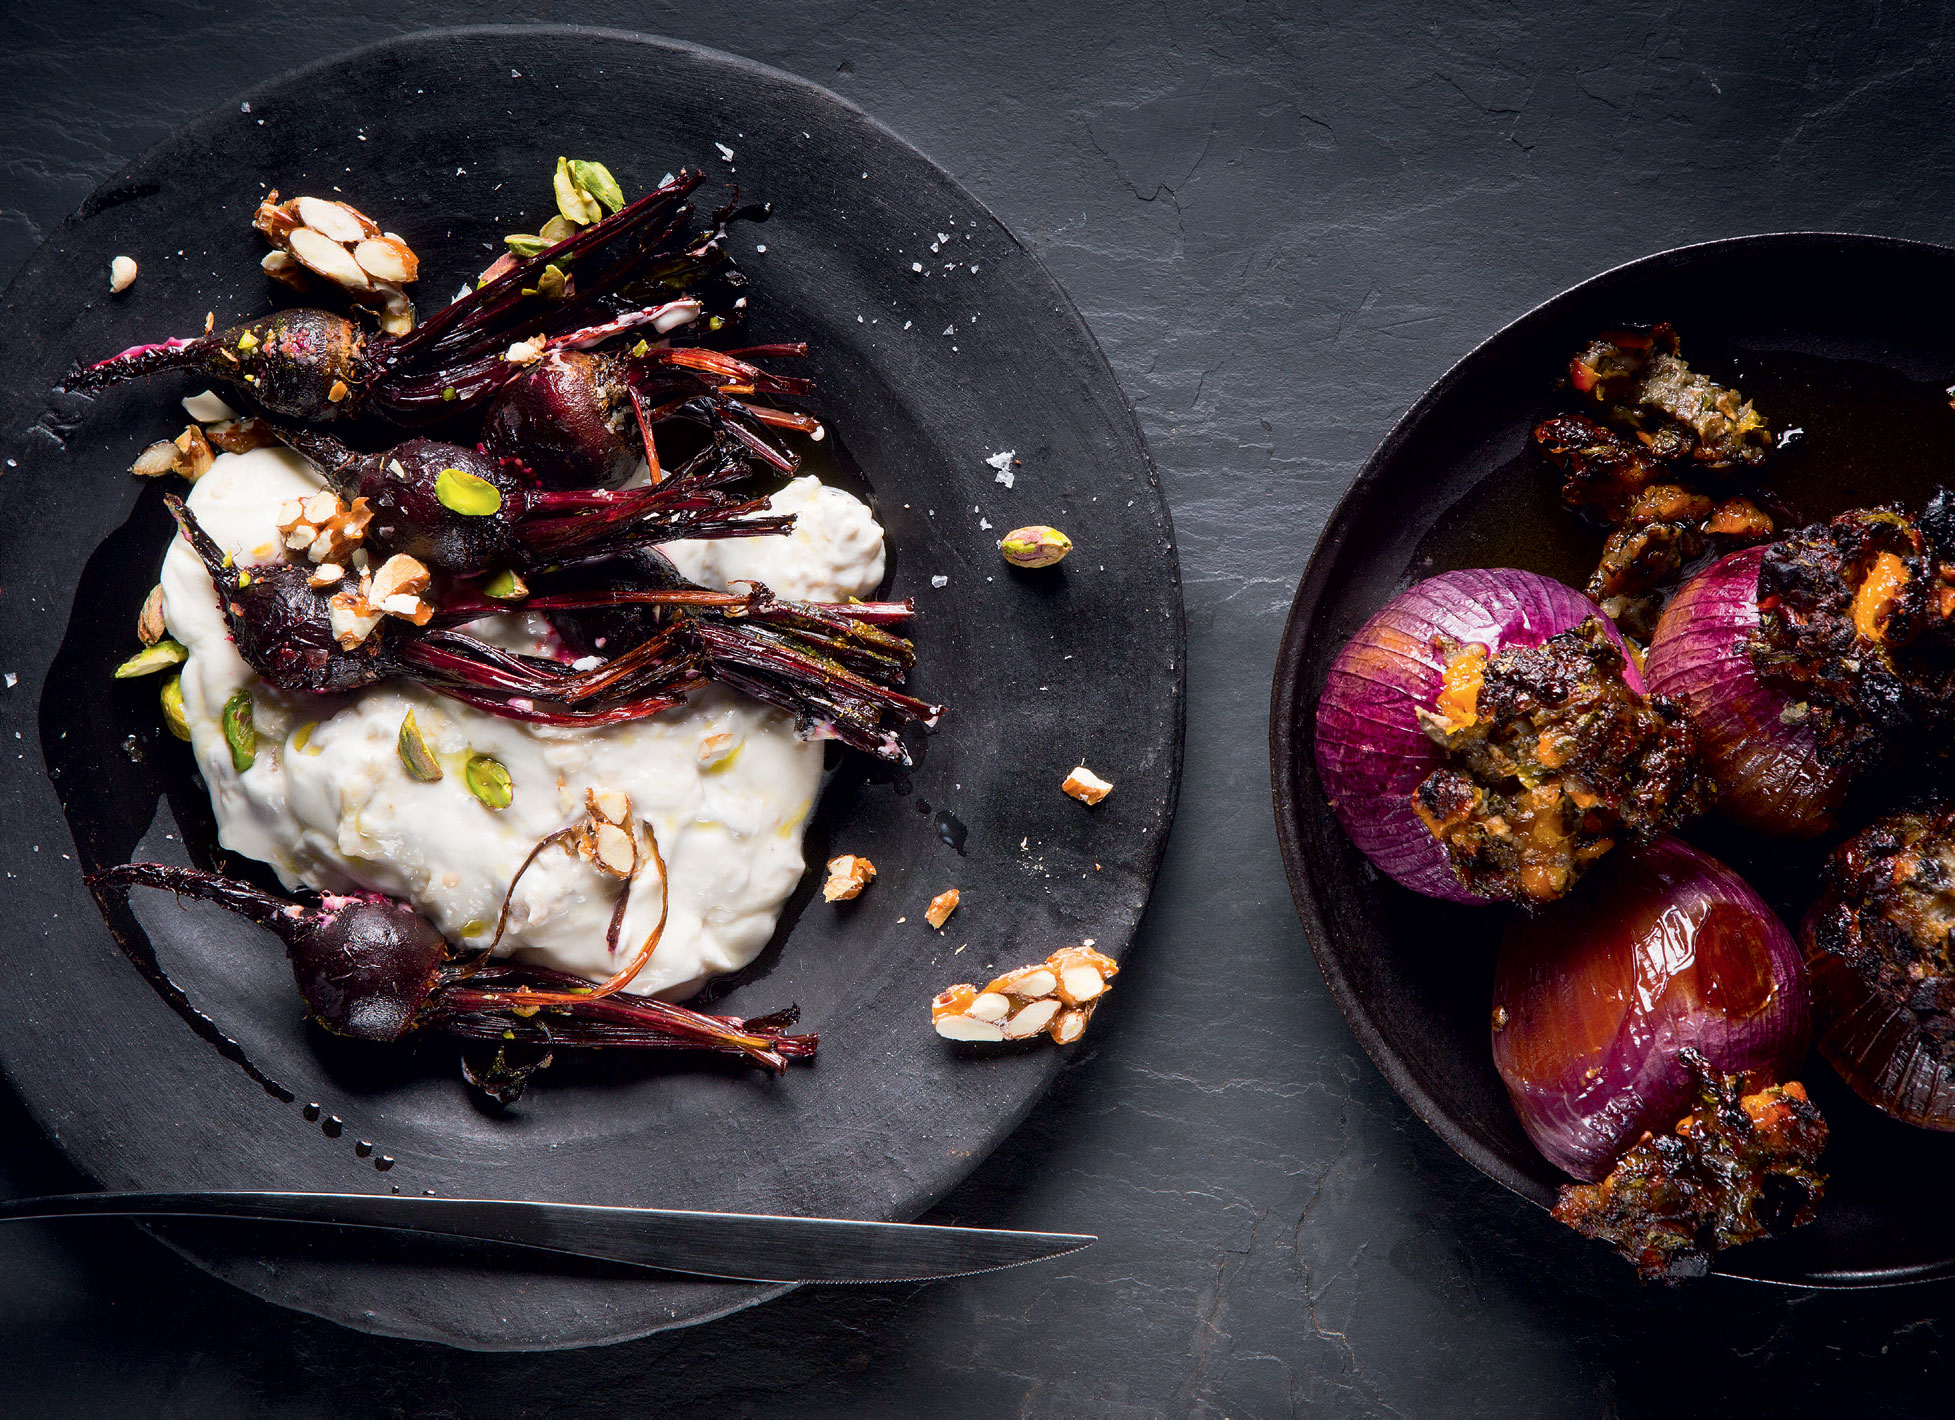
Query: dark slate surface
[[1282, 224]]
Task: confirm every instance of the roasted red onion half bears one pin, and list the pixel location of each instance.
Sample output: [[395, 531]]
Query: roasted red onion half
[[1596, 998], [1763, 753], [1372, 751], [1880, 944]]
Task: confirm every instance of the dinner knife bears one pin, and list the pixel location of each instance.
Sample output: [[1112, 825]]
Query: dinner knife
[[747, 1247]]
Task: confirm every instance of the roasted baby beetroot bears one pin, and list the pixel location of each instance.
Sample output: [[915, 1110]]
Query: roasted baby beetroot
[[314, 365]]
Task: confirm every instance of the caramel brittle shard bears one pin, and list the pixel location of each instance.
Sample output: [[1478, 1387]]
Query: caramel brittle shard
[[1055, 997]]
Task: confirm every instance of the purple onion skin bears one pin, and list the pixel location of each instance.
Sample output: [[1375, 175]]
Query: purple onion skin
[[1371, 752], [1770, 777], [1664, 947]]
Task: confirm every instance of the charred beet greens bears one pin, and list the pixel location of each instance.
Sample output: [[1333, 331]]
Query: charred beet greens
[[1741, 1166], [1552, 760]]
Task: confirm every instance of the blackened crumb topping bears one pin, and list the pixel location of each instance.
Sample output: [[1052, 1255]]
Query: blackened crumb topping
[[1888, 915], [1854, 628], [1742, 1166], [1551, 761]]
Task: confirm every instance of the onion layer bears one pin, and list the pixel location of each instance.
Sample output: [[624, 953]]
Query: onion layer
[[1770, 777], [1371, 750], [1596, 997]]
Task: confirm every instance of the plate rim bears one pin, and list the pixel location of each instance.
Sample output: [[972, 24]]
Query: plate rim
[[1288, 741], [125, 183]]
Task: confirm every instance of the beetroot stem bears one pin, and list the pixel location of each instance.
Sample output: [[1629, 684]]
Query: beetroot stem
[[241, 898]]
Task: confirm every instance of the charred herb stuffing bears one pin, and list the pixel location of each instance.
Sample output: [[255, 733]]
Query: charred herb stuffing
[[1659, 431], [1854, 627], [1640, 380], [1738, 1168], [1551, 761]]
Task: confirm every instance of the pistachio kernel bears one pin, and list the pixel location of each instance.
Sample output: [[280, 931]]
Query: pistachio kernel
[[239, 732], [526, 244], [488, 781], [415, 755], [505, 586], [462, 492], [596, 180], [173, 716], [151, 659], [576, 204], [1035, 546], [549, 285], [556, 230]]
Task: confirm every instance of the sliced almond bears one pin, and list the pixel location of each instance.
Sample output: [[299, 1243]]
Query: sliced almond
[[613, 850], [965, 1028], [301, 536], [387, 259], [714, 749], [1080, 984], [329, 259], [283, 267], [321, 506], [352, 621], [1028, 983], [1069, 1025], [1030, 1020], [336, 220], [610, 805], [326, 574], [399, 575], [989, 1006], [122, 274], [207, 408], [156, 460]]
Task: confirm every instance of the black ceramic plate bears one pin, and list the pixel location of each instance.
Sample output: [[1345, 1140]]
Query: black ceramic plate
[[1850, 339], [450, 138]]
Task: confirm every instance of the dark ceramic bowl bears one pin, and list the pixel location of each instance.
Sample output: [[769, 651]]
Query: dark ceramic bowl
[[1850, 339]]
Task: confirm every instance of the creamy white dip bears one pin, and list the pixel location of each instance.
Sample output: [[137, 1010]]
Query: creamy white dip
[[328, 804]]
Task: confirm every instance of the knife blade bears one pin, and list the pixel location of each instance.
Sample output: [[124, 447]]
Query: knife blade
[[747, 1247]]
